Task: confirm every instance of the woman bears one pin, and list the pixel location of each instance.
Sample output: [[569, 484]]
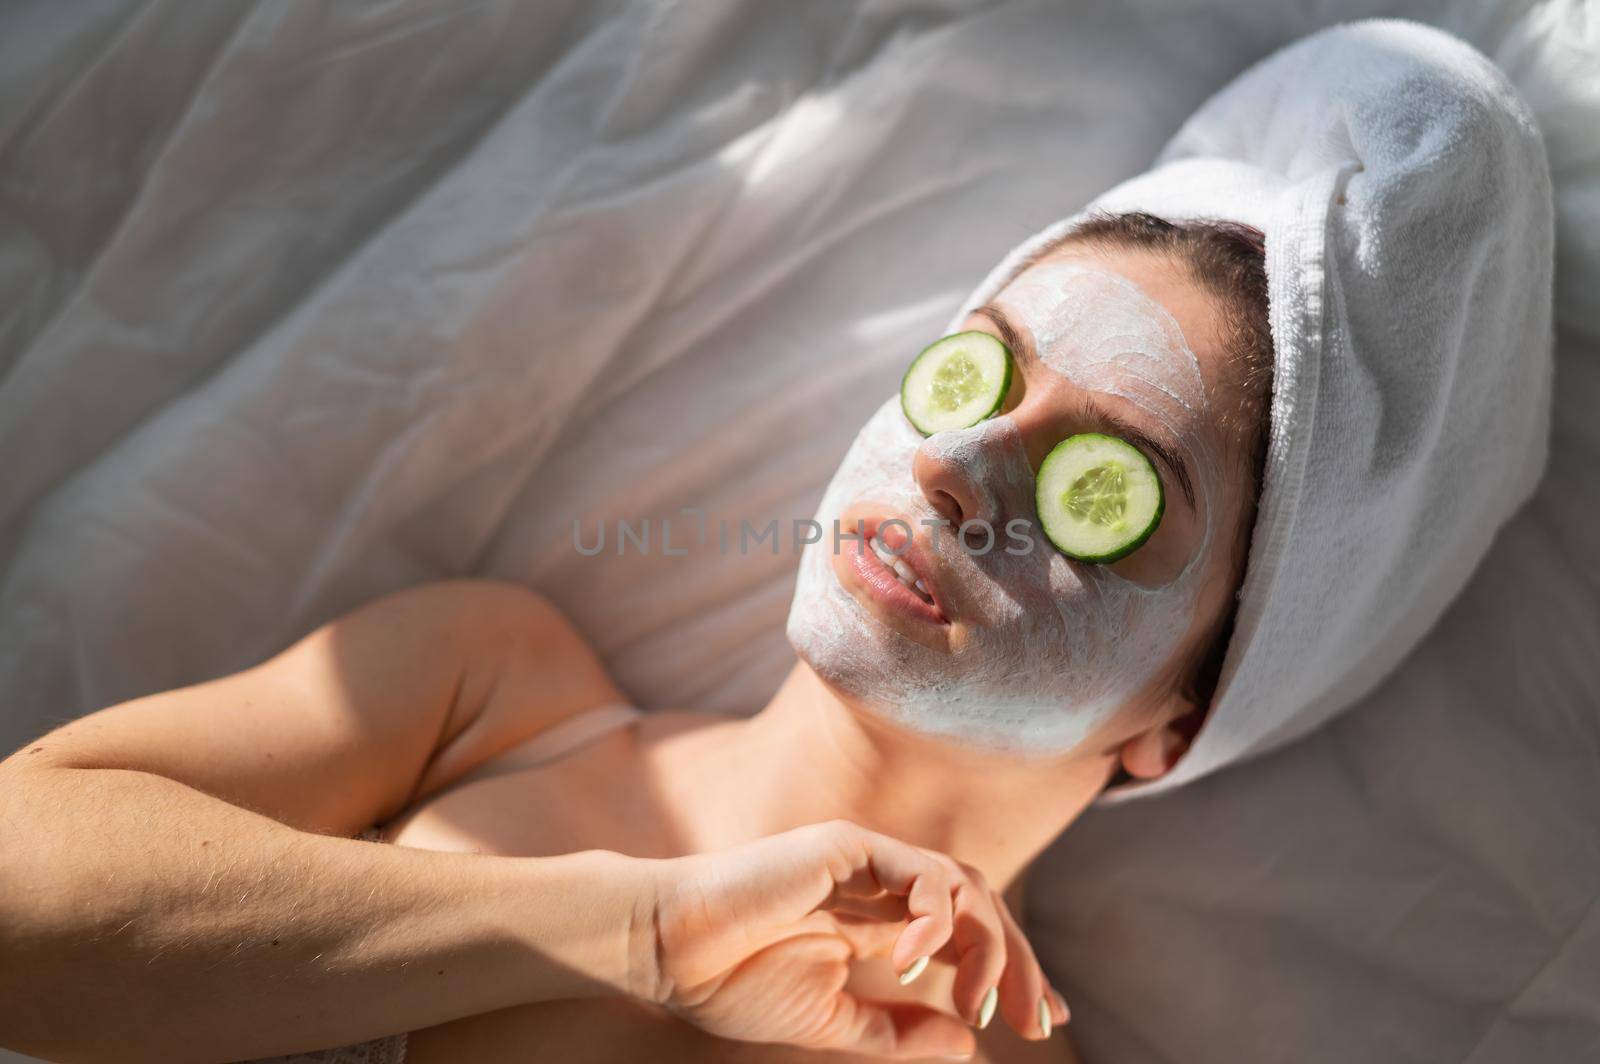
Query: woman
[[969, 701], [672, 784]]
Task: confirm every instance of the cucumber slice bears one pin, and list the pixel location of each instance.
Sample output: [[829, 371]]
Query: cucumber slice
[[1099, 497], [956, 382]]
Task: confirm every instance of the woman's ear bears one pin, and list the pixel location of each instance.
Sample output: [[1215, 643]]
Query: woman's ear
[[1151, 754]]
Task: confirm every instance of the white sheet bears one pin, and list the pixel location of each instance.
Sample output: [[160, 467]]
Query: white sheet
[[305, 303]]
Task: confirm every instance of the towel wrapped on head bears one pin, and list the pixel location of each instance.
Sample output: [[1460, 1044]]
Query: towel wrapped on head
[[1402, 188]]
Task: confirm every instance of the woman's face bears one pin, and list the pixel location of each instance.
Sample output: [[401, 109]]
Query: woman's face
[[1022, 649]]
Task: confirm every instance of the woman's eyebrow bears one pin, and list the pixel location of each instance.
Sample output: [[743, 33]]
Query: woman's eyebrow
[[1015, 340], [1022, 344]]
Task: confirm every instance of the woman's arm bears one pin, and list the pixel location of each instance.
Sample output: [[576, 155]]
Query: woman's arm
[[175, 880]]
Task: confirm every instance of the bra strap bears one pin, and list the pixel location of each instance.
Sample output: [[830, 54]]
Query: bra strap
[[577, 730]]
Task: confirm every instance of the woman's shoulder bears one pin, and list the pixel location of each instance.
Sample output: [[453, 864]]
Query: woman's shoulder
[[528, 669]]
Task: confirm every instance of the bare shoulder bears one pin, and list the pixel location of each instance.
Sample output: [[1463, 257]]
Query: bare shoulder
[[522, 662], [527, 667], [347, 725]]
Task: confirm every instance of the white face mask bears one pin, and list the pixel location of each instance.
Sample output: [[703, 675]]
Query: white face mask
[[1048, 649]]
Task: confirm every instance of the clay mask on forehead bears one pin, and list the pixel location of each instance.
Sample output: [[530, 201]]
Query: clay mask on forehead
[[1102, 333], [1053, 648]]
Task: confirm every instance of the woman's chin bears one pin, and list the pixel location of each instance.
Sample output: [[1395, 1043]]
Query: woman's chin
[[959, 740]]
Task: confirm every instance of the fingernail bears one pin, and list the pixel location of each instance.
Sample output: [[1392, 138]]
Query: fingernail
[[1066, 1012], [913, 971], [986, 1010], [1044, 1016]]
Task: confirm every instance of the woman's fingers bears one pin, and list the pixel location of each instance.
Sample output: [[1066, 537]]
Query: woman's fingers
[[811, 899], [981, 948], [945, 901], [1022, 982], [1023, 986], [879, 863], [894, 1031], [869, 936], [889, 908]]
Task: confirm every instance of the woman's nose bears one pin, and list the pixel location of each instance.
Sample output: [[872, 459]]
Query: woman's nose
[[962, 472], [946, 485]]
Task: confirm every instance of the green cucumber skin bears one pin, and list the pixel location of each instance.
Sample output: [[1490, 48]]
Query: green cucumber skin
[[1122, 552], [1005, 381]]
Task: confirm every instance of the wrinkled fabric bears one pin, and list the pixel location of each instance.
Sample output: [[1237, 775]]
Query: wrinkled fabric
[[304, 303]]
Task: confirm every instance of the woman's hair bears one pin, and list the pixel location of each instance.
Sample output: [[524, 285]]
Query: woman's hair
[[1229, 260]]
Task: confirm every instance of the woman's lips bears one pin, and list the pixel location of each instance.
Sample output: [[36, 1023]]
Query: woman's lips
[[884, 584]]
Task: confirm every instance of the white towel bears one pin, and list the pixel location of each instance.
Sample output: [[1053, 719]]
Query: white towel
[[1403, 190]]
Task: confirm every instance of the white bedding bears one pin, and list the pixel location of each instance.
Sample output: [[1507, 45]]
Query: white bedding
[[303, 303]]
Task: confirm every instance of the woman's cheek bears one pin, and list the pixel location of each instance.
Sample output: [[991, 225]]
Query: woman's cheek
[[1162, 557]]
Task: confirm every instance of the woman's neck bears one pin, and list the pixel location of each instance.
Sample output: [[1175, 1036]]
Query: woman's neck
[[809, 757]]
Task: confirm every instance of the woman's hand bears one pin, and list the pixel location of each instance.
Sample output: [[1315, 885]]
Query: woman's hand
[[754, 943]]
